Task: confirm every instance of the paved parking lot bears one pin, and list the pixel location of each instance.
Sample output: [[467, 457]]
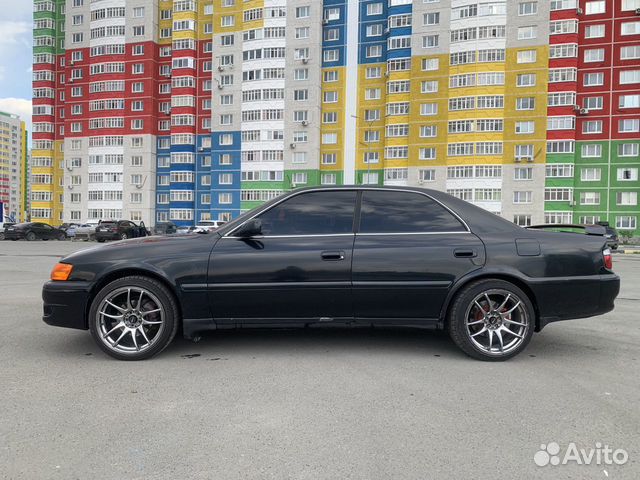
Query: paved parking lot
[[310, 404]]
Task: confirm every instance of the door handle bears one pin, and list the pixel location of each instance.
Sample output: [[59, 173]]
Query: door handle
[[333, 255], [462, 253]]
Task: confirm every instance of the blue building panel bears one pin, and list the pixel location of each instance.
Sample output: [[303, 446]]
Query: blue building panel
[[230, 170]]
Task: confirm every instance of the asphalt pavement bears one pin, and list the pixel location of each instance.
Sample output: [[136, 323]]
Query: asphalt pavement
[[310, 404]]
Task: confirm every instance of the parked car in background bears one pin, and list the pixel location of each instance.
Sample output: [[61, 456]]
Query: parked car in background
[[33, 231], [611, 235], [185, 230], [3, 227], [86, 231], [207, 226], [120, 230], [165, 228], [339, 257], [68, 229], [70, 232]]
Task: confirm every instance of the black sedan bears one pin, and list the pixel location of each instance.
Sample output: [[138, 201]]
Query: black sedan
[[33, 231], [346, 256], [119, 230]]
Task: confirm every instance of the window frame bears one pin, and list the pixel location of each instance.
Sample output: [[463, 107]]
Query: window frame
[[356, 216]]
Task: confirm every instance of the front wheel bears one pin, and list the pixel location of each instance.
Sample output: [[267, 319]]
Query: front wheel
[[123, 236], [133, 318], [491, 320]]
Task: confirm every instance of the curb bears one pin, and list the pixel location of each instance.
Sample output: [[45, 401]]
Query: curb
[[628, 251]]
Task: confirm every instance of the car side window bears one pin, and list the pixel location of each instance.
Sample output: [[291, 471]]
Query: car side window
[[404, 212], [312, 213]]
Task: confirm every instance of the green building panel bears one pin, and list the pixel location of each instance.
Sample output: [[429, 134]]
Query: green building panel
[[361, 173]]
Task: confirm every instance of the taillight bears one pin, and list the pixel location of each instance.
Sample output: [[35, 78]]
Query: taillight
[[608, 259]]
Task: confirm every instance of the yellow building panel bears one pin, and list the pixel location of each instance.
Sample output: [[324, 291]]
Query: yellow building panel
[[338, 127]]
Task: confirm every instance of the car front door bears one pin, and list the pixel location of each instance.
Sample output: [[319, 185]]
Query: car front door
[[298, 269], [408, 252]]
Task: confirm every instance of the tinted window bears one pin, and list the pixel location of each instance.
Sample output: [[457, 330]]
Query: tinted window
[[404, 212], [311, 213]]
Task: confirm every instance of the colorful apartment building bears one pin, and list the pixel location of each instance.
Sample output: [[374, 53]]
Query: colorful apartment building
[[13, 166], [189, 110]]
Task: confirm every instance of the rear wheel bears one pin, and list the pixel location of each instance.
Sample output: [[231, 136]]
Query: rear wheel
[[491, 320], [123, 236], [30, 236], [133, 318], [61, 236]]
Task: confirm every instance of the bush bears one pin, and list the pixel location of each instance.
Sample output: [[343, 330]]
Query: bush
[[626, 236]]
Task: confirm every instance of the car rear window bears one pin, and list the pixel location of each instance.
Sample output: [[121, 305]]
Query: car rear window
[[404, 212]]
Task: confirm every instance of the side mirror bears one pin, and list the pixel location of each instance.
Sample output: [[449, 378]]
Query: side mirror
[[251, 228]]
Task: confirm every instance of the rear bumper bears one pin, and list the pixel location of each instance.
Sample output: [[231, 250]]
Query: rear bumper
[[14, 235], [65, 304], [575, 297], [107, 236]]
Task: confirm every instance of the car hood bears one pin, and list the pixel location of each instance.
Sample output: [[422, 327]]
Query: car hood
[[140, 248]]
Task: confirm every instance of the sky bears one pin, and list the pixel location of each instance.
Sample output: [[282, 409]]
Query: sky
[[16, 20]]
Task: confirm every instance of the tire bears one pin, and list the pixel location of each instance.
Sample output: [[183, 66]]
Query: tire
[[61, 236], [123, 236], [101, 240], [30, 236], [492, 333], [117, 330]]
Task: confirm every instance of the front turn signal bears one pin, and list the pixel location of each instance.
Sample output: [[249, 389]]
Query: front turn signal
[[61, 272]]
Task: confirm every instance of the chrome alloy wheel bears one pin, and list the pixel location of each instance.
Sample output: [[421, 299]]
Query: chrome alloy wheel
[[497, 322], [130, 319]]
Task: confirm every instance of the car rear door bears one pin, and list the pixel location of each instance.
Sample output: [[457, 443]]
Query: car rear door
[[297, 270], [408, 252]]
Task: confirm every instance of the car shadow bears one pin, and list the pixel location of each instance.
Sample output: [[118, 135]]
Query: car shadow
[[410, 343], [343, 341], [317, 341]]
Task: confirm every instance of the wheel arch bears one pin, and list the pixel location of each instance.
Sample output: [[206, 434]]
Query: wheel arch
[[488, 275], [127, 272]]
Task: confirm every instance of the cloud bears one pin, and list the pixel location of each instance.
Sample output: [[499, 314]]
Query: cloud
[[18, 106], [12, 9], [14, 33]]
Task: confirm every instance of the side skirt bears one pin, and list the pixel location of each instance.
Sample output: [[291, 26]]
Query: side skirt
[[191, 327]]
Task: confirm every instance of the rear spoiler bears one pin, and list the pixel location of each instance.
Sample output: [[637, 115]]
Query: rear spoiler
[[571, 228]]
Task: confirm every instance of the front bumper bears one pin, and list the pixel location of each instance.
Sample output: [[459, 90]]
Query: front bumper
[[65, 304]]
